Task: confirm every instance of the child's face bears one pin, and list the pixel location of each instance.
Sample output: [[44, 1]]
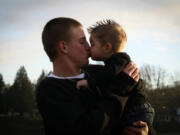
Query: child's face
[[97, 50]]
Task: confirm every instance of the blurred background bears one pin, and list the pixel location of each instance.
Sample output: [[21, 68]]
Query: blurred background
[[152, 28]]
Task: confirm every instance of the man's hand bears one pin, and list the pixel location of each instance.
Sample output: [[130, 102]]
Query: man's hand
[[132, 71], [82, 84], [138, 128]]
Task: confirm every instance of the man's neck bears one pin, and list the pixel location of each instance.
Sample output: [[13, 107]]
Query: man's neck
[[65, 69]]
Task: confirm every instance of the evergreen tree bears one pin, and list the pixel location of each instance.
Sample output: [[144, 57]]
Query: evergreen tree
[[21, 94], [2, 87], [2, 84], [41, 77]]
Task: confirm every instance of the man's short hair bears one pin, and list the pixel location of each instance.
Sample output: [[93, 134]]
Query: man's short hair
[[57, 29], [109, 31]]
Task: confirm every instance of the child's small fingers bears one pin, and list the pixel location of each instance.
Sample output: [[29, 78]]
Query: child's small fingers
[[78, 87]]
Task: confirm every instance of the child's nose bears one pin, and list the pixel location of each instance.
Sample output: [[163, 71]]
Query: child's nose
[[87, 47]]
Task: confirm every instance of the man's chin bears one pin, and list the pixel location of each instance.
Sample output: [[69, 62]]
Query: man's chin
[[85, 64]]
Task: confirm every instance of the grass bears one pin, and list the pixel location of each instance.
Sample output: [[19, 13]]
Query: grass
[[164, 128], [18, 126]]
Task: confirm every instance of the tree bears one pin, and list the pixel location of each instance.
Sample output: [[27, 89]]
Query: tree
[[153, 76], [42, 76], [2, 84], [2, 87], [175, 78], [21, 95]]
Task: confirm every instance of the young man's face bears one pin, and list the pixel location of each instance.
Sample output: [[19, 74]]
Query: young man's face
[[97, 49], [78, 47]]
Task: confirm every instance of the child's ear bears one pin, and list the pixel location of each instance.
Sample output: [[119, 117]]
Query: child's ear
[[62, 47], [108, 47]]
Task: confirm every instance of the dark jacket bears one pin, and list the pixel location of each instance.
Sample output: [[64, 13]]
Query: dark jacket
[[65, 110], [111, 76]]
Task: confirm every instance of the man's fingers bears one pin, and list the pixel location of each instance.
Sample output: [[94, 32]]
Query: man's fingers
[[139, 128], [135, 75], [143, 127], [130, 68], [132, 71], [140, 124], [136, 78], [128, 132], [132, 131]]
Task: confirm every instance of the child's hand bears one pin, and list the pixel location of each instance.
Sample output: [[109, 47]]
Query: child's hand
[[82, 84]]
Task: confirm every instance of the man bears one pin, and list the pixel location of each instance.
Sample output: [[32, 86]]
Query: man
[[64, 109]]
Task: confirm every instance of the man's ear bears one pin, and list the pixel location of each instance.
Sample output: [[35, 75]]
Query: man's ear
[[62, 47], [108, 47]]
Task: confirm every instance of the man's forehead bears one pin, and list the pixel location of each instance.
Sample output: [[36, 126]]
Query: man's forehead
[[77, 30]]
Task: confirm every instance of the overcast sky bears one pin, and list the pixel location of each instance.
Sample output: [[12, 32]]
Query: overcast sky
[[152, 27]]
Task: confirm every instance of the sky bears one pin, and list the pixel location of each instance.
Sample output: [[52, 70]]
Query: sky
[[152, 28]]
